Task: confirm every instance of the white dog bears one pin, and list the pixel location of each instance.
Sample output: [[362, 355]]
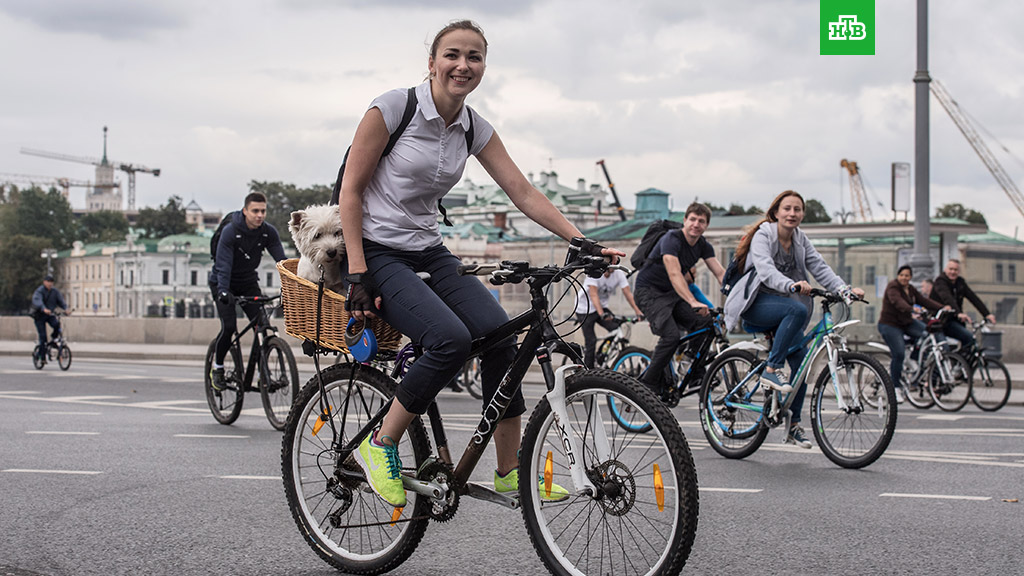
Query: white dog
[[316, 232]]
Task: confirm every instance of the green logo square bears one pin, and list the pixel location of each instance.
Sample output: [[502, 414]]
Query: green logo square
[[847, 27]]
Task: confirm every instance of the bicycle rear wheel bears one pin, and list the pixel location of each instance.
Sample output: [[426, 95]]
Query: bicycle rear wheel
[[730, 415], [632, 362], [643, 516], [225, 404], [340, 518], [469, 378], [280, 384], [953, 395], [990, 384], [850, 433], [64, 356]]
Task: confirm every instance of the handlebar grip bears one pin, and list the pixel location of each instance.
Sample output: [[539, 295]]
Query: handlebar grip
[[476, 269]]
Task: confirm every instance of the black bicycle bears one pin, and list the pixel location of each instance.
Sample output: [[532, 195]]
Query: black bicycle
[[633, 501], [278, 374], [55, 350]]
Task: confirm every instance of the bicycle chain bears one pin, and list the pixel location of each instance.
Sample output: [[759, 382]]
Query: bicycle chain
[[432, 471]]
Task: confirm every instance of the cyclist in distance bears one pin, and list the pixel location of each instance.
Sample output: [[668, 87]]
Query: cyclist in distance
[[897, 319], [45, 300], [592, 308], [777, 298], [235, 271], [950, 289], [664, 295], [389, 212]]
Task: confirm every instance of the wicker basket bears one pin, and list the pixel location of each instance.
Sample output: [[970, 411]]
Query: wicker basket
[[298, 296]]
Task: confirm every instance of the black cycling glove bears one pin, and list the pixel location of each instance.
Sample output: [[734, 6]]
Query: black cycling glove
[[362, 291], [579, 247], [226, 297]]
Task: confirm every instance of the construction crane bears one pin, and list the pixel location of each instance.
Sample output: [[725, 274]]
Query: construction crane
[[125, 167], [860, 205], [52, 181], [967, 129], [615, 196]]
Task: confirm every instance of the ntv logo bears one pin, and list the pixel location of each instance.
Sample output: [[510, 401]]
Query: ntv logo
[[847, 28]]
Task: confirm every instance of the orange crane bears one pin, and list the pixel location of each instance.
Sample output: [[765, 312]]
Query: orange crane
[[125, 167], [967, 129], [861, 205], [615, 196], [64, 183]]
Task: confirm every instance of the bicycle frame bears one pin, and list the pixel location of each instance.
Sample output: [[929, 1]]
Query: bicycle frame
[[261, 329]]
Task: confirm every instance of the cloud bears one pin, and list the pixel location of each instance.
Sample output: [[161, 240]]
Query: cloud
[[110, 19]]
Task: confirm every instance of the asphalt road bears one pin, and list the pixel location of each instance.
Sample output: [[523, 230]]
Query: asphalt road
[[118, 468]]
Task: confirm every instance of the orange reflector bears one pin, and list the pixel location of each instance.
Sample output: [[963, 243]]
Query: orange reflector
[[320, 421], [396, 515], [549, 471], [659, 489]]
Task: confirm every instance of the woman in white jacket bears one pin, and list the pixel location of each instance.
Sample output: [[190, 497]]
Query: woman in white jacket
[[780, 259]]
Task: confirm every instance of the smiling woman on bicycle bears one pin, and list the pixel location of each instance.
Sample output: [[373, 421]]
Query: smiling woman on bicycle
[[389, 212], [897, 319], [776, 297]]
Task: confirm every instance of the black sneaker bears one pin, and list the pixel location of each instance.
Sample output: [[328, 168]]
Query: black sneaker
[[217, 379], [797, 438]]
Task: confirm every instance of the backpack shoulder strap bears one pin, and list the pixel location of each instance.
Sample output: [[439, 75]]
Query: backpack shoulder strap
[[410, 111]]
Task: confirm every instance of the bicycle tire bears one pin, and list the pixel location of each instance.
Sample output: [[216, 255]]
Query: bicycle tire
[[363, 541], [732, 431], [280, 386], [954, 395], [38, 358], [916, 391], [470, 378], [632, 362], [64, 357], [652, 533], [226, 404], [990, 384], [853, 437]]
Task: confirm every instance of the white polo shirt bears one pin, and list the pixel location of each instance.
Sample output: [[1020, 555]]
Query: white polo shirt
[[605, 288], [400, 203]]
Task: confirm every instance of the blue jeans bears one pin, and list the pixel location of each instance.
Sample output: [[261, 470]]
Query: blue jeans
[[954, 329], [893, 336], [787, 317], [443, 315]]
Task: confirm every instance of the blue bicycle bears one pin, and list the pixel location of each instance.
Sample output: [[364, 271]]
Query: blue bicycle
[[736, 412]]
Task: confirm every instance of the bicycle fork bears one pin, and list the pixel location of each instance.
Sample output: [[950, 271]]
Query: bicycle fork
[[556, 399]]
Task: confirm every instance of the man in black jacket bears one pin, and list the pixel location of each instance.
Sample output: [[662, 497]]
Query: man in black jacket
[[950, 289], [45, 300], [235, 270]]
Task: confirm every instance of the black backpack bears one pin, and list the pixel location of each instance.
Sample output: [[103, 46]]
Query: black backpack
[[410, 110], [215, 240], [654, 232], [733, 275]]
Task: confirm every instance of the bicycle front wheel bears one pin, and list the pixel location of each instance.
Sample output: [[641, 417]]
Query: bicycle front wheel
[[470, 378], [851, 433], [225, 404], [730, 410], [64, 357], [632, 362], [990, 384], [954, 393], [339, 516], [642, 516], [280, 383]]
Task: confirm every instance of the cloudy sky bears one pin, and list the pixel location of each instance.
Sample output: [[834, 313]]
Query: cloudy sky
[[728, 101]]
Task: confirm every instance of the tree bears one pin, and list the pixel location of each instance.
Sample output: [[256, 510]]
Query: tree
[[958, 211], [283, 199], [33, 212], [814, 211], [164, 221], [102, 226], [17, 282]]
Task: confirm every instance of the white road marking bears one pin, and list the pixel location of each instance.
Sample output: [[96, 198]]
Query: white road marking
[[84, 398], [198, 412], [943, 417], [12, 392], [167, 403], [26, 471], [239, 477], [210, 436], [124, 377], [735, 490], [50, 413], [935, 496], [61, 433]]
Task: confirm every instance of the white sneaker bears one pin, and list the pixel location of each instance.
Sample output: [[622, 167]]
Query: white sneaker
[[900, 397]]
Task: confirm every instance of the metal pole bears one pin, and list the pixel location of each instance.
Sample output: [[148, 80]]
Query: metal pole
[[921, 260]]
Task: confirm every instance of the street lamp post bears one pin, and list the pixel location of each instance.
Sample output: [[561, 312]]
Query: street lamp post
[[49, 254], [175, 248]]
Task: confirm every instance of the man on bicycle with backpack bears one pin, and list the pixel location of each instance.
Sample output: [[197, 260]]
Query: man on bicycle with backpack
[[45, 300], [663, 294], [950, 289], [244, 236]]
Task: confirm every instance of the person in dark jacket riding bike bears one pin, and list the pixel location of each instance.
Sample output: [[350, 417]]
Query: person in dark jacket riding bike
[[45, 300]]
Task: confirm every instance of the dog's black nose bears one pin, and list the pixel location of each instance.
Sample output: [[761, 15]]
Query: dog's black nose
[[332, 253]]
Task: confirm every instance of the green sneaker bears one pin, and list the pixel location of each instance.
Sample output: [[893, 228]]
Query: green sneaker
[[217, 379], [382, 468], [510, 483]]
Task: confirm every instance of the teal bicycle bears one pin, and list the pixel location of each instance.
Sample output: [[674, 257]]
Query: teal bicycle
[[736, 411]]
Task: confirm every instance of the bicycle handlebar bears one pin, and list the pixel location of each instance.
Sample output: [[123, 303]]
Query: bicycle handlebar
[[516, 271], [261, 298]]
